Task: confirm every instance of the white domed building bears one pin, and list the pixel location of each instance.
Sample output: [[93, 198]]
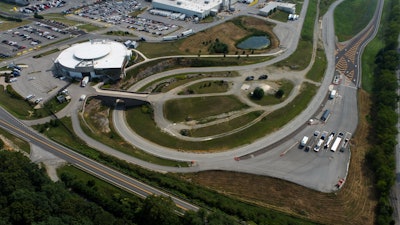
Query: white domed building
[[95, 58]]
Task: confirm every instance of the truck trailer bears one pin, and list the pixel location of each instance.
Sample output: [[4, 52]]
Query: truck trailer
[[332, 95], [325, 115], [330, 139], [85, 81], [336, 144], [320, 142]]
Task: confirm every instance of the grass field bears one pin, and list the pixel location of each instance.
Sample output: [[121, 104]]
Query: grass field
[[230, 33], [178, 110], [270, 99], [353, 204], [89, 27], [7, 7], [370, 52], [23, 110], [323, 6], [368, 63], [178, 81], [225, 126], [16, 106], [49, 52], [317, 71], [300, 59], [164, 84], [61, 18], [159, 49], [160, 65], [7, 25], [352, 16], [143, 124], [93, 125], [101, 186], [207, 87], [22, 144], [280, 16]]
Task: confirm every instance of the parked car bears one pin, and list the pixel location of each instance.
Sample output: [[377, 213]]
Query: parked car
[[263, 77], [37, 101], [249, 78]]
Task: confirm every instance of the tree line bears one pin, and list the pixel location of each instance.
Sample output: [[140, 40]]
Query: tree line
[[383, 114], [28, 196]]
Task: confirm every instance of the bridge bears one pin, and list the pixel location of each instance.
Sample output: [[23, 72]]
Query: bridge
[[129, 98]]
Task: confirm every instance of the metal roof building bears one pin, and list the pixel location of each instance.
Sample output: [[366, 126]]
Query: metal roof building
[[287, 7], [198, 8], [96, 58]]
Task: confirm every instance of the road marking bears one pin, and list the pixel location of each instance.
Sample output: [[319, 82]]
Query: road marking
[[284, 152]]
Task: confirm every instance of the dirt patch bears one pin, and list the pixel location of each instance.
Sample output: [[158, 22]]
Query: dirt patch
[[97, 116], [9, 145], [229, 33], [353, 204]]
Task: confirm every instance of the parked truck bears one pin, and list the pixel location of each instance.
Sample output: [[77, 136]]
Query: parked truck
[[320, 142], [337, 142], [85, 81], [325, 115], [332, 94], [303, 141], [187, 32], [330, 139], [170, 38]]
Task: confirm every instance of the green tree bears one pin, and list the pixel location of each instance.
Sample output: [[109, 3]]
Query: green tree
[[158, 210], [258, 93], [1, 144], [279, 93]]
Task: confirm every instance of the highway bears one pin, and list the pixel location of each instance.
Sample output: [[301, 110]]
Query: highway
[[14, 126]]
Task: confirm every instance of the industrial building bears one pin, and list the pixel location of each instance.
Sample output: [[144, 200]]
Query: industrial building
[[283, 6], [191, 8], [95, 58]]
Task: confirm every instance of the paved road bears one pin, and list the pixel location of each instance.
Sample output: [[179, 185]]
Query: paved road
[[348, 54], [114, 177]]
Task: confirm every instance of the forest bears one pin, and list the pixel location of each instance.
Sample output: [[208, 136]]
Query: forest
[[381, 157], [28, 196]]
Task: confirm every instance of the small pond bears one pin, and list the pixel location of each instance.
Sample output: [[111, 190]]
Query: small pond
[[255, 42]]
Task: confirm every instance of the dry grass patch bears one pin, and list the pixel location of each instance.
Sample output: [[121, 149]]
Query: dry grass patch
[[229, 33], [97, 117], [354, 204]]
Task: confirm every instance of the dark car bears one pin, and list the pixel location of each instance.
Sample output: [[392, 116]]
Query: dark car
[[249, 78], [263, 77], [16, 73]]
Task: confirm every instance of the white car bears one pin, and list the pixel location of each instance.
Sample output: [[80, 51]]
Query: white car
[[37, 101]]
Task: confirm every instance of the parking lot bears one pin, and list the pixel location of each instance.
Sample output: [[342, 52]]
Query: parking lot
[[23, 39], [148, 23]]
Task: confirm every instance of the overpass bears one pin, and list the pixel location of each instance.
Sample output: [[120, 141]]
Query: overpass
[[128, 97]]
